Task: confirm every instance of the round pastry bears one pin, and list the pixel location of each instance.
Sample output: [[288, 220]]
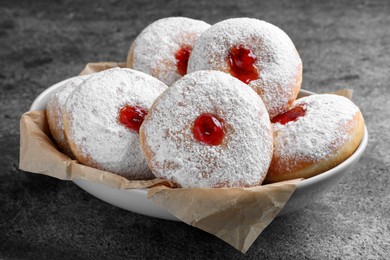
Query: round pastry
[[54, 112], [315, 135], [208, 130], [256, 52], [162, 48], [102, 119]]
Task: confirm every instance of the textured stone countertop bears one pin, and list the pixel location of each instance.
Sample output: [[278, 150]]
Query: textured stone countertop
[[342, 45]]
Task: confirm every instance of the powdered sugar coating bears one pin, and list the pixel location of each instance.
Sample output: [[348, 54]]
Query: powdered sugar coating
[[91, 120], [172, 151], [325, 126], [153, 51], [278, 62], [55, 108]]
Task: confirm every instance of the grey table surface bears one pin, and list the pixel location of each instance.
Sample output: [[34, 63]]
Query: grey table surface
[[343, 44]]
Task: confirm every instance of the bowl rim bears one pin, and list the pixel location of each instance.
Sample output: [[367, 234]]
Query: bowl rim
[[40, 98], [302, 184]]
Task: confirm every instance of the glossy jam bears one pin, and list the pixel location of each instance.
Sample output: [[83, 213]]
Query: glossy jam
[[242, 64], [209, 129], [182, 55], [290, 115], [132, 117]]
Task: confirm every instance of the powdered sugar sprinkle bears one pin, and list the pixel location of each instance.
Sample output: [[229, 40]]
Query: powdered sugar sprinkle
[[155, 46], [317, 134], [277, 59], [243, 157], [55, 108], [92, 116]]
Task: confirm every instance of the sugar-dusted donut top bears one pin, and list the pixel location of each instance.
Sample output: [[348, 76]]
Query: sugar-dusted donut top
[[93, 110], [319, 132], [278, 62], [243, 157], [58, 100], [155, 46]]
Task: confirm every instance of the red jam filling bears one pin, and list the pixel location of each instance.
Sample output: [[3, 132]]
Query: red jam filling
[[182, 55], [209, 129], [290, 115], [241, 64], [132, 116]]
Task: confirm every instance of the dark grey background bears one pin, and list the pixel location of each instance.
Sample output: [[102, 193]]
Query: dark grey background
[[343, 44]]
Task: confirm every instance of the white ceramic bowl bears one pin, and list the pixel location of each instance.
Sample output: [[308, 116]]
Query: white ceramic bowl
[[135, 200]]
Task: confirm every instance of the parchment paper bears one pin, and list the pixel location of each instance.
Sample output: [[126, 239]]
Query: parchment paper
[[235, 215]]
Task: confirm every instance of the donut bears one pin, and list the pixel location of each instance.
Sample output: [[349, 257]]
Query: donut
[[256, 52], [208, 130], [54, 113], [162, 48], [316, 134], [102, 119]]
